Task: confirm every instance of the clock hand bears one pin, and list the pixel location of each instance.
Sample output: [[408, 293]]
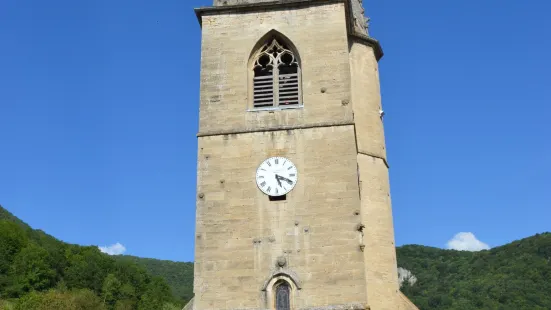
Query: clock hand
[[278, 180], [286, 180]]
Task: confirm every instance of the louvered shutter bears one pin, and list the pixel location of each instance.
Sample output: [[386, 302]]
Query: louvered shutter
[[263, 91], [288, 89]]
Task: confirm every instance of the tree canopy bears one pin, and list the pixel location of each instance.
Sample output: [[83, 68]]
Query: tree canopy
[[39, 272], [513, 276]]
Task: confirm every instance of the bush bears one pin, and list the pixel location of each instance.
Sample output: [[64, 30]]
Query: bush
[[74, 300]]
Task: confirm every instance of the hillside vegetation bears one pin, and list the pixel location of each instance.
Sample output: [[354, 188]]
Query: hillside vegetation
[[179, 276], [513, 276], [39, 272]]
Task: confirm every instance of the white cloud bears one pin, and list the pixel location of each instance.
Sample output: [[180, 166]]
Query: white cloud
[[115, 249], [466, 241]]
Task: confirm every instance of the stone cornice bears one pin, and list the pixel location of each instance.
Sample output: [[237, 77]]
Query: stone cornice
[[375, 156], [275, 128], [262, 6], [371, 42], [286, 4]]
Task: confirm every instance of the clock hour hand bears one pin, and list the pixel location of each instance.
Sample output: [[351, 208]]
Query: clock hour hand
[[278, 180]]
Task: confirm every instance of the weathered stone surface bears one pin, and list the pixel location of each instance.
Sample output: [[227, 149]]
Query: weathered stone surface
[[359, 19], [238, 221], [366, 100]]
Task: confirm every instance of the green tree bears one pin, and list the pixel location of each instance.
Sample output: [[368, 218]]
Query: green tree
[[45, 273], [128, 292], [170, 306], [125, 304], [132, 274], [156, 295], [6, 305], [86, 299], [87, 267], [75, 300], [12, 240], [32, 270], [513, 276], [178, 275], [111, 290]]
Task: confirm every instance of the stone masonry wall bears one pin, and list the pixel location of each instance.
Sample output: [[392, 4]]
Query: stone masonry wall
[[358, 12], [380, 251], [240, 233], [366, 100]]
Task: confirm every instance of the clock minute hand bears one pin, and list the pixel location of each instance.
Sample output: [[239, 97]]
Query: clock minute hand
[[286, 180]]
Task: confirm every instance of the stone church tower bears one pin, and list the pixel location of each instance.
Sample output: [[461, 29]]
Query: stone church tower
[[293, 201]]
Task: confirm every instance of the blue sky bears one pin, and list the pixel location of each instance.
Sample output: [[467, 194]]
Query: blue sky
[[99, 108]]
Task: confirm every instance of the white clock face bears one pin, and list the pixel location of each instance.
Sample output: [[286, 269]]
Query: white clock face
[[276, 176]]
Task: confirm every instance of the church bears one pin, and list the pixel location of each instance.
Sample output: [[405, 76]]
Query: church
[[293, 200]]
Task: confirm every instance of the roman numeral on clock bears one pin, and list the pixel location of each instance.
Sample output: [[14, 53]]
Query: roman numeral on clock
[[276, 176]]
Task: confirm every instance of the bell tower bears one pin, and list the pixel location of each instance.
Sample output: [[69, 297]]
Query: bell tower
[[293, 200]]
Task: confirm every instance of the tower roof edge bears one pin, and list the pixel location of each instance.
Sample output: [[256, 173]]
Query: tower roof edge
[[237, 6], [356, 20]]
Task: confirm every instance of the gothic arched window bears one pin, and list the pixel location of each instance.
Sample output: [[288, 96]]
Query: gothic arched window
[[283, 296], [276, 76]]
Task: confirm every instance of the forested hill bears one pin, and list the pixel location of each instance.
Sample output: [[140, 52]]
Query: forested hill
[[39, 272], [514, 276], [6, 215], [179, 276]]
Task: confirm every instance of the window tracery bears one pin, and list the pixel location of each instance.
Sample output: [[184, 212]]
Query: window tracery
[[276, 81]]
